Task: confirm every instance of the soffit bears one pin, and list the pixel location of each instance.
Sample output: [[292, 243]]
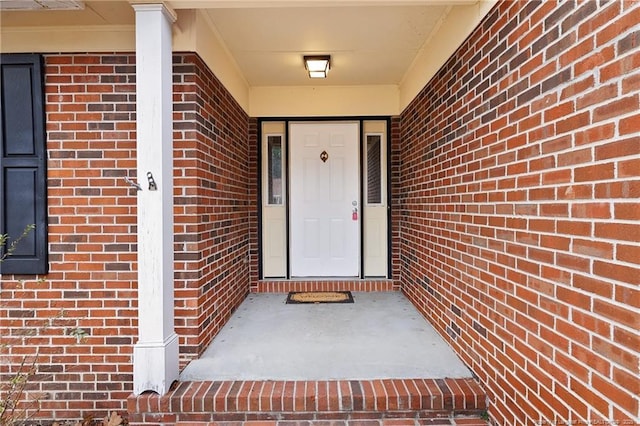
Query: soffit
[[369, 45], [372, 42], [91, 13]]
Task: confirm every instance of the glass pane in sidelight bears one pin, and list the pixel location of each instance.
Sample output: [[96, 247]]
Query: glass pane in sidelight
[[274, 173], [374, 169]]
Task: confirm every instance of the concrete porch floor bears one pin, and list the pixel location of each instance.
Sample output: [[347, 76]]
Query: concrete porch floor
[[380, 336]]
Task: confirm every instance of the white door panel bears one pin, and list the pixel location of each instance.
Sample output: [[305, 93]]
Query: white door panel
[[324, 237]]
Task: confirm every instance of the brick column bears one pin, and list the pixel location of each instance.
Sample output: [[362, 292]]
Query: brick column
[[155, 355]]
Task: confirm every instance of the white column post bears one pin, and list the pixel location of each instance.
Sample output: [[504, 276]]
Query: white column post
[[155, 355]]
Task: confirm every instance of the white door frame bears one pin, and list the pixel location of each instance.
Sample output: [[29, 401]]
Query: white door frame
[[374, 213], [325, 230]]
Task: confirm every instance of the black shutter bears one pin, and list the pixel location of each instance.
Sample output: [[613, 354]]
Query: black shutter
[[23, 176]]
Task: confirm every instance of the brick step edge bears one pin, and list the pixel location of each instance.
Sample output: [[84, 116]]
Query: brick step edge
[[269, 400], [284, 286], [476, 420], [466, 421]]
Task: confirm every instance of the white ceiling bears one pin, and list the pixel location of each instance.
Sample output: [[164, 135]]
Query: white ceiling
[[30, 13], [369, 45], [371, 42]]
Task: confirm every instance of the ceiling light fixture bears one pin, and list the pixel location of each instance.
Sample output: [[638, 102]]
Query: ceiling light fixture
[[317, 66]]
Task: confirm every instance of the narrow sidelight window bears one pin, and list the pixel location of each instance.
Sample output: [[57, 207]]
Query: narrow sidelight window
[[374, 169], [274, 164]]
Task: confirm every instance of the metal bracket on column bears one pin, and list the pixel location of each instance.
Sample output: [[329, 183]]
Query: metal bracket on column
[[133, 184], [152, 182]]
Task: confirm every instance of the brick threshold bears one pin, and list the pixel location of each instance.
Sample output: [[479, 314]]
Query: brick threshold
[[324, 284], [347, 402]]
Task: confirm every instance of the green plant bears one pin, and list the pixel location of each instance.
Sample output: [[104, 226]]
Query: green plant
[[14, 244], [13, 391], [17, 405]]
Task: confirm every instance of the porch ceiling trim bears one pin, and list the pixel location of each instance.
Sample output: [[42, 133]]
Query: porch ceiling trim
[[195, 32], [224, 4]]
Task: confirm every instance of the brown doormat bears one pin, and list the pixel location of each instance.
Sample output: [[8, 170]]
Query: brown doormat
[[319, 297]]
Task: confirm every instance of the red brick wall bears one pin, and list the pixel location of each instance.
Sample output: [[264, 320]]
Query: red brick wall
[[254, 258], [394, 139], [90, 116], [90, 108], [519, 202], [212, 204]]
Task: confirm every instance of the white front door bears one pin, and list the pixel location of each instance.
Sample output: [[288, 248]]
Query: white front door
[[325, 200]]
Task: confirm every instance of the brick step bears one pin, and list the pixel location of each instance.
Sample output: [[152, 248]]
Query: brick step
[[452, 421], [285, 286], [418, 401]]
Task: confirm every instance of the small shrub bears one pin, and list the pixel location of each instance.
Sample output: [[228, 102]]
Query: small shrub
[[19, 404]]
